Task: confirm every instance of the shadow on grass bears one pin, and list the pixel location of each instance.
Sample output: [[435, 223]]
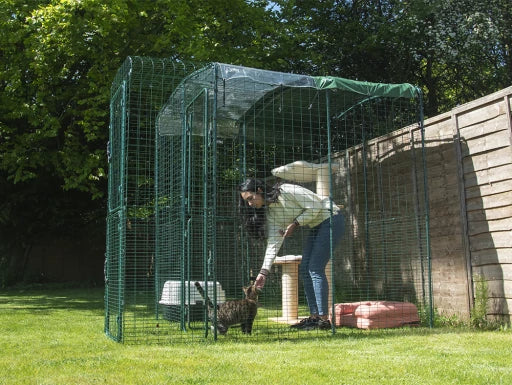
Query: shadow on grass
[[345, 333], [49, 298], [265, 334]]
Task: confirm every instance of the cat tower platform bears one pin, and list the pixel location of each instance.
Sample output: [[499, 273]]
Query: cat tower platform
[[300, 172], [290, 288]]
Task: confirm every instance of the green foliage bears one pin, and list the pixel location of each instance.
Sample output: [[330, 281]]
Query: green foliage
[[447, 320], [63, 58], [59, 59], [478, 314], [63, 55], [459, 52], [479, 310], [54, 100], [456, 50]]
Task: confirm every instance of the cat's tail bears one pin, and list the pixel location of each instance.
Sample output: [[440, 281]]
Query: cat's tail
[[203, 294]]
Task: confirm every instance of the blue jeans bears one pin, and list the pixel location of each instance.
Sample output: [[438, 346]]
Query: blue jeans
[[315, 256]]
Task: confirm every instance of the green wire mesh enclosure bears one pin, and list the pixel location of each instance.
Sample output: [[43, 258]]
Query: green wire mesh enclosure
[[182, 139]]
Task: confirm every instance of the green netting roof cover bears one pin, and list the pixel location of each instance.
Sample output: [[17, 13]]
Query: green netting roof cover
[[404, 90], [242, 90]]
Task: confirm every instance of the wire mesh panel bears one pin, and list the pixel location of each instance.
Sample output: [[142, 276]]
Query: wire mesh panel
[[141, 87], [328, 157], [222, 176]]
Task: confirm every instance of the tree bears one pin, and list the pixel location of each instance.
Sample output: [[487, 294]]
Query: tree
[[455, 50], [59, 59], [64, 54], [459, 49]]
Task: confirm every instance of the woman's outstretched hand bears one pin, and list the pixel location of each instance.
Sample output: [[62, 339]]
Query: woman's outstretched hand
[[260, 281]]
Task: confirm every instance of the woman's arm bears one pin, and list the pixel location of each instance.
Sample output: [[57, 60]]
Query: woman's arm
[[291, 228], [274, 242]]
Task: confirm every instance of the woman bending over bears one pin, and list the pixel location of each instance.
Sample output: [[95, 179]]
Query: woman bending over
[[279, 210]]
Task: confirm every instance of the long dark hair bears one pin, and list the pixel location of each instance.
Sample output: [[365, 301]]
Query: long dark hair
[[253, 218]]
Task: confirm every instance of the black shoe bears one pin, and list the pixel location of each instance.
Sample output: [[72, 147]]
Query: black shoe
[[324, 324], [307, 323]]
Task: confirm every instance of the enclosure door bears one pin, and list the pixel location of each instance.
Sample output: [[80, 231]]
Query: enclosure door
[[116, 218], [199, 196]]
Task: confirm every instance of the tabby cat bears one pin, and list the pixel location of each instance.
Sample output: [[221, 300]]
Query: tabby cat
[[241, 311]]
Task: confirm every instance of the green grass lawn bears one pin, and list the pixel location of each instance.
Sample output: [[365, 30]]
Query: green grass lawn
[[51, 336]]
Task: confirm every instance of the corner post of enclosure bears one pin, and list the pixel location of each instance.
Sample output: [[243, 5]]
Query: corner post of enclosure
[[156, 209], [427, 205], [331, 199], [122, 223], [184, 212], [212, 135]]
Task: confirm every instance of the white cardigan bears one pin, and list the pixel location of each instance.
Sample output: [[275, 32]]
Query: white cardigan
[[294, 203]]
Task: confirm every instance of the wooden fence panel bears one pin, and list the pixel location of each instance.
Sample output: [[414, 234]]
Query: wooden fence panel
[[469, 162], [484, 127]]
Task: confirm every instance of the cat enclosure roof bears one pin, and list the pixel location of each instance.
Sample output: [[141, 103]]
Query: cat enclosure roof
[[237, 92]]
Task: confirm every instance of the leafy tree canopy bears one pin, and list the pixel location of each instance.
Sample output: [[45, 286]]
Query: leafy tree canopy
[[58, 59]]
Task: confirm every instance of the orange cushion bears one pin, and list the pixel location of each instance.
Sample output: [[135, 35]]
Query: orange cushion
[[375, 314]]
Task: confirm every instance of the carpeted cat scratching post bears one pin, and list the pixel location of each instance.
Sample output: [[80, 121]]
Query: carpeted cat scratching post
[[290, 288], [301, 172]]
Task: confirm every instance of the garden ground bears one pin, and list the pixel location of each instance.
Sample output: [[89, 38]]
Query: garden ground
[[55, 336]]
